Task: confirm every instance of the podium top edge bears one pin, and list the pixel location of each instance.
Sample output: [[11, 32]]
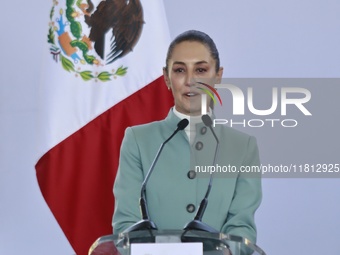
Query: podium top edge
[[116, 238]]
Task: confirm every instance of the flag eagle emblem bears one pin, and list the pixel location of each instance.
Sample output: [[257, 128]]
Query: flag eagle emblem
[[78, 32]]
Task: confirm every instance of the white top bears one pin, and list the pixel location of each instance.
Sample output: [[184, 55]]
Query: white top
[[190, 130]]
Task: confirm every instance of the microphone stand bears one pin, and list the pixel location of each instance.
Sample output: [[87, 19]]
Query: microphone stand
[[145, 222], [197, 223]]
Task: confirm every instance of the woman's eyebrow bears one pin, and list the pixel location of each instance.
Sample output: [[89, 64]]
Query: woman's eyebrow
[[201, 62], [178, 63]]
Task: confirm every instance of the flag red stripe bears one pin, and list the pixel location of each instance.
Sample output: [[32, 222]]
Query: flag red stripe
[[76, 176]]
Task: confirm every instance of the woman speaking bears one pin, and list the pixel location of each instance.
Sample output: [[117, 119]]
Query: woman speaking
[[175, 189]]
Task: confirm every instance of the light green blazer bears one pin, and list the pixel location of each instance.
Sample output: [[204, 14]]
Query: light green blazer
[[173, 195]]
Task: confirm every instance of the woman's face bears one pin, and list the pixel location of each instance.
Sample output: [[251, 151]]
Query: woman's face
[[190, 62]]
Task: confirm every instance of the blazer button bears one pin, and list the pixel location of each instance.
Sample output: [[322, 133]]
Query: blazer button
[[191, 174], [203, 130], [190, 208], [199, 146]]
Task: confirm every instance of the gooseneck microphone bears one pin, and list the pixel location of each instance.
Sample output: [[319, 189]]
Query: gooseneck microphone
[[197, 223], [146, 222]]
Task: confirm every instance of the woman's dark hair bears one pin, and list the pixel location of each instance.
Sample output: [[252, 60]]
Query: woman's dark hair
[[195, 36]]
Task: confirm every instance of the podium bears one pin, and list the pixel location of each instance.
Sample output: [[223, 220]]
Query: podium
[[212, 243]]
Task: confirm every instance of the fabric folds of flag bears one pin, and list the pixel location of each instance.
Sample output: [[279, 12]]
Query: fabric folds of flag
[[86, 104]]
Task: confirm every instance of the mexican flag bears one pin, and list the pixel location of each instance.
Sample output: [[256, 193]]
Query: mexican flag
[[102, 72]]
